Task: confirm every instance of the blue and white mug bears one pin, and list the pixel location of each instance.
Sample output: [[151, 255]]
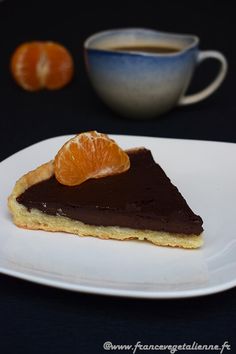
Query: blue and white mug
[[143, 84]]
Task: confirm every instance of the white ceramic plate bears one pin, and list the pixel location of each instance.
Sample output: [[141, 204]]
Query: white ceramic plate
[[205, 173]]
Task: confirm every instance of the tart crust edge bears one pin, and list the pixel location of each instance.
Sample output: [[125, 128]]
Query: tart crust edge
[[37, 175]]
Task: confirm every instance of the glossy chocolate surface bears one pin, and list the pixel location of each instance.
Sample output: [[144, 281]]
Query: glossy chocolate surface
[[141, 198]]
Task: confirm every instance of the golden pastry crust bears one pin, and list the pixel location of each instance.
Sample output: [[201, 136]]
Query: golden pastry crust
[[37, 220]]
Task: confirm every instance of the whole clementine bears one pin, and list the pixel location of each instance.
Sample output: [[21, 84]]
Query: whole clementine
[[37, 65]]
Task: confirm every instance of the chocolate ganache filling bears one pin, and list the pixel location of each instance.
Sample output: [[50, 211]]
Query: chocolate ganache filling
[[141, 198]]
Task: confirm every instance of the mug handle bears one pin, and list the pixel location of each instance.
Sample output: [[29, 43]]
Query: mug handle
[[196, 97]]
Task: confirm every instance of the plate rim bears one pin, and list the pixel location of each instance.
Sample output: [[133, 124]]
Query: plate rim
[[136, 294], [115, 136]]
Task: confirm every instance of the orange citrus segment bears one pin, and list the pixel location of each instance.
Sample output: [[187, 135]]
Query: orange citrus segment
[[37, 65], [60, 66], [89, 155], [24, 65]]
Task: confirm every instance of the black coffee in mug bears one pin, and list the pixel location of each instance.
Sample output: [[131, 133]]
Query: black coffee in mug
[[155, 49]]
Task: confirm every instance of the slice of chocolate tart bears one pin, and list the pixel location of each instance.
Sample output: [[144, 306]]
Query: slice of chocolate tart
[[140, 203]]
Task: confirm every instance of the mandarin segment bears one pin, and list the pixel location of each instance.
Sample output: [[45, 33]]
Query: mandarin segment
[[60, 66], [37, 65], [24, 64], [89, 155]]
